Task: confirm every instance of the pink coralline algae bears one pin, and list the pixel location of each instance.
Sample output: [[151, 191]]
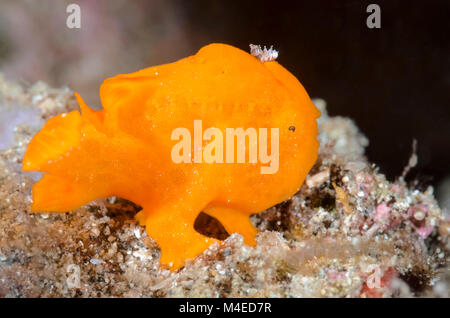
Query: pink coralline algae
[[381, 215], [417, 214]]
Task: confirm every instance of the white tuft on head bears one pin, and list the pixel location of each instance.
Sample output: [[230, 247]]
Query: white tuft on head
[[264, 55]]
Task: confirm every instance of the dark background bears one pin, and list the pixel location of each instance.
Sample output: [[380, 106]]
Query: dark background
[[394, 81]]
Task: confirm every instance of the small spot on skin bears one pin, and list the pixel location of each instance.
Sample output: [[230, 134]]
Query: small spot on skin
[[292, 128]]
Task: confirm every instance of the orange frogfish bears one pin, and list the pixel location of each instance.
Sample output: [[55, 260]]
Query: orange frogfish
[[220, 132]]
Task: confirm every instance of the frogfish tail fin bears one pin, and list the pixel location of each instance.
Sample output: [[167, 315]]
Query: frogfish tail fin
[[57, 136], [58, 194]]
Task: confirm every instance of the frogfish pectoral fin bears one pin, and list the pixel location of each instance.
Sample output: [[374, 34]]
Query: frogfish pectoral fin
[[175, 235], [58, 194], [235, 222]]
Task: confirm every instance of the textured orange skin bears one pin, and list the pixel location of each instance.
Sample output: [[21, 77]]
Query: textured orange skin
[[125, 149]]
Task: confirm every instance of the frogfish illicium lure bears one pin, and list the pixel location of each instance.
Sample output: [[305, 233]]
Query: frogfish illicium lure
[[220, 132]]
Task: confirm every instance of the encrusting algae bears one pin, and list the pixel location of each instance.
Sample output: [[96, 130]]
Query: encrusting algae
[[126, 149]]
